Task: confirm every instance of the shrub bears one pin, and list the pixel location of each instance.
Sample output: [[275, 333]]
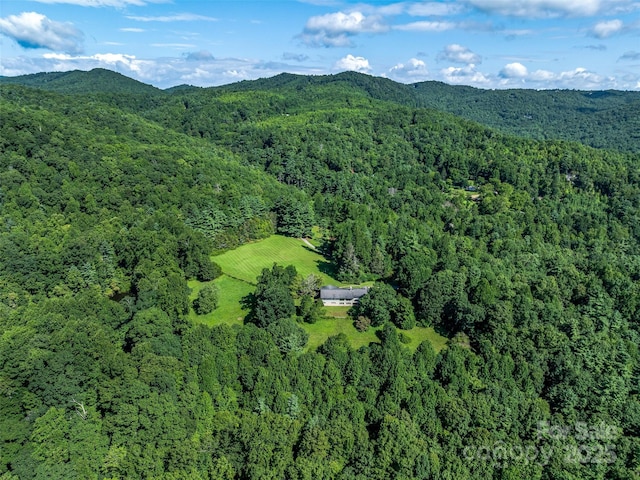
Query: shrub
[[362, 323]]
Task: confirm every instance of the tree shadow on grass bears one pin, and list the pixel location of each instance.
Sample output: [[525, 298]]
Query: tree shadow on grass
[[248, 302], [327, 268]]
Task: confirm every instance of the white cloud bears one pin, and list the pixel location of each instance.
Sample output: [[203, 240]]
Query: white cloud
[[381, 10], [180, 17], [459, 54], [596, 48], [354, 22], [542, 76], [415, 9], [551, 8], [34, 30], [162, 72], [336, 29], [514, 70], [577, 79], [434, 9], [357, 64], [582, 78], [426, 26], [64, 61], [204, 70], [235, 74], [132, 30], [522, 32], [607, 28], [296, 57], [412, 71], [467, 75], [198, 75]]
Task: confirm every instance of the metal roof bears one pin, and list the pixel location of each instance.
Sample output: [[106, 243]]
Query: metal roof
[[337, 293]]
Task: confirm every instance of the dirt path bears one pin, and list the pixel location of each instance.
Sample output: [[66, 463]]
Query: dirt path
[[309, 244]]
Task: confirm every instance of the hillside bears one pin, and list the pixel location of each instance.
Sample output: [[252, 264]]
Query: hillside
[[524, 254], [600, 119], [97, 80]]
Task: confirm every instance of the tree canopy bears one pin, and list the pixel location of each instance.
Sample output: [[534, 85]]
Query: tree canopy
[[525, 253]]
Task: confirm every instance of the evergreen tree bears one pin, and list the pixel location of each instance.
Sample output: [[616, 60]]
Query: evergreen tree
[[272, 299]]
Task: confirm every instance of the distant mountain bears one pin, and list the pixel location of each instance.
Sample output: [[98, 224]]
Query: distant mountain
[[97, 80], [378, 88], [601, 119]]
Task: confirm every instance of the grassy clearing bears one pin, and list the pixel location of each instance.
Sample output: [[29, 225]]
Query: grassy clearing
[[241, 267], [421, 334], [328, 327], [229, 310], [246, 262], [336, 312], [337, 321]]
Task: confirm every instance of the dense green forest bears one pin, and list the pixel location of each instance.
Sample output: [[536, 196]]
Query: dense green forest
[[523, 252], [600, 119]]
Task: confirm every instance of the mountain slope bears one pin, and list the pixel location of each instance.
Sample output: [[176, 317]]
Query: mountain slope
[[97, 80], [525, 253], [601, 119]]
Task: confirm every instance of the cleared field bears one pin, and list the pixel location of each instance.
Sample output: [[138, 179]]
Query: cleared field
[[337, 321], [328, 327], [241, 267], [420, 334], [246, 262], [229, 310]]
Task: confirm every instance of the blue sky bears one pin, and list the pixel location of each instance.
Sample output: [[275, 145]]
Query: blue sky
[[575, 44]]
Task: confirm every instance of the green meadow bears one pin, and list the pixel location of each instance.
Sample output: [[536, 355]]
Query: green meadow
[[229, 309], [242, 266], [246, 262], [337, 321]]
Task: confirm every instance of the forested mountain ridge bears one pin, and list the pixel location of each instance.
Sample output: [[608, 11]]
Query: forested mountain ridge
[[601, 119], [97, 80], [525, 253]]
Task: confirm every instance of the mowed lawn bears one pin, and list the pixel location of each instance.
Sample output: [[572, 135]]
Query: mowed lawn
[[337, 321], [246, 262], [243, 265], [229, 309]]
